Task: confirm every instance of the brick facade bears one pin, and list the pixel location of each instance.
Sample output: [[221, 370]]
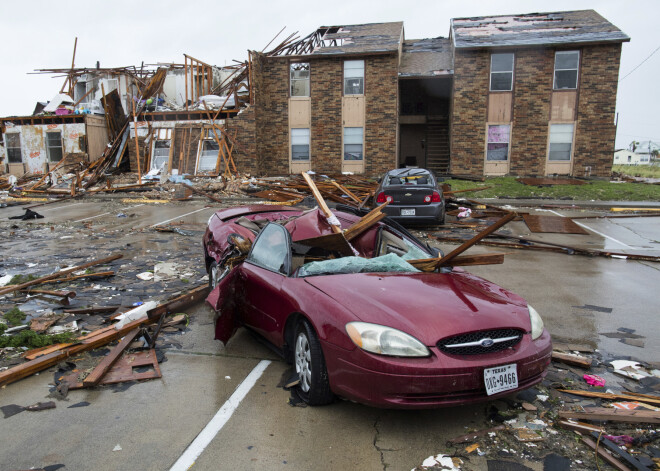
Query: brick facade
[[469, 112], [381, 91], [326, 132], [595, 132], [244, 154]]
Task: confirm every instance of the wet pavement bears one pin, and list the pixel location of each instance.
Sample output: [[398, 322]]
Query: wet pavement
[[154, 422]]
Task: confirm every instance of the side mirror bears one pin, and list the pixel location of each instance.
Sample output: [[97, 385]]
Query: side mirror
[[239, 243]]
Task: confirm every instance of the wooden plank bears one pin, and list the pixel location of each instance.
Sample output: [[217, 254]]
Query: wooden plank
[[614, 397], [92, 310], [367, 221], [346, 191], [615, 415], [570, 359], [102, 368], [552, 224], [123, 370], [200, 192], [9, 289], [37, 352], [580, 427], [627, 457], [321, 202], [479, 259], [605, 455], [485, 233]]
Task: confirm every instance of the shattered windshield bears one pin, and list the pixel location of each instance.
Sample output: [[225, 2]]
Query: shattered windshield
[[384, 263]]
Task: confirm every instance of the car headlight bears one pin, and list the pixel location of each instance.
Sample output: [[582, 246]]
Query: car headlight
[[537, 322], [383, 340]]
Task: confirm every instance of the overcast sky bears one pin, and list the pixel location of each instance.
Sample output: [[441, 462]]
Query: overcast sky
[[40, 34]]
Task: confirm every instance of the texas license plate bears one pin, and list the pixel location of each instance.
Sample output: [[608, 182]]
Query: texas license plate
[[407, 212], [500, 379]]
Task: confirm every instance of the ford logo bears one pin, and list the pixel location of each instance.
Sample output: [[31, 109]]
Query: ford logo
[[487, 342]]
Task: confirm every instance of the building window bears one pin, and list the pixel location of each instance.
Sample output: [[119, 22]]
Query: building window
[[300, 144], [300, 79], [208, 158], [54, 146], [161, 155], [13, 145], [501, 72], [353, 77], [498, 142], [353, 144], [566, 70], [561, 142]]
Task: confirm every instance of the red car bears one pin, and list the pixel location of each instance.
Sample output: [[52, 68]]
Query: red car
[[359, 321]]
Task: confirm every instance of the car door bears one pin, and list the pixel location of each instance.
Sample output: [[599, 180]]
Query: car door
[[261, 277]]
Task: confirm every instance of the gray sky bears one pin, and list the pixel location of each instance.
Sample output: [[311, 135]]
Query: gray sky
[[40, 34]]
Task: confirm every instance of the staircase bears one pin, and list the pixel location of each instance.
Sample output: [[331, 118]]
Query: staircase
[[437, 145]]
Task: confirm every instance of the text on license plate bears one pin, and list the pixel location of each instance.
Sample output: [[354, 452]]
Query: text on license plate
[[407, 212], [501, 378]]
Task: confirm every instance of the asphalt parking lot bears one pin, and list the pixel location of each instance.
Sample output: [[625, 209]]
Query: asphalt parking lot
[[154, 425]]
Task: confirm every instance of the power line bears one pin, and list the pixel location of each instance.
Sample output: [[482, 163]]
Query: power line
[[640, 64]]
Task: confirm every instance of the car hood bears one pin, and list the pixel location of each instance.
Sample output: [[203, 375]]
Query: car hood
[[429, 306]]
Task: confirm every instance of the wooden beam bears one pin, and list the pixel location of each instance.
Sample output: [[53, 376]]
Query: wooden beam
[[9, 289], [616, 464], [102, 368], [346, 192], [614, 397], [614, 415], [137, 144], [367, 221], [200, 192], [321, 202], [570, 359]]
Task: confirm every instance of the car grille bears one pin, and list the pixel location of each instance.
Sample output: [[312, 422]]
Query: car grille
[[477, 343]]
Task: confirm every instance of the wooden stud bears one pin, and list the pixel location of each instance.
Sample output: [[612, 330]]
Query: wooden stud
[[321, 202], [102, 368]]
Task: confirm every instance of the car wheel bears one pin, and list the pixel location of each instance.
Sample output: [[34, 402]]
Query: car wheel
[[314, 387], [216, 274]]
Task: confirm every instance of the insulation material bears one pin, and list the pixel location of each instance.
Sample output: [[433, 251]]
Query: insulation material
[[385, 263]]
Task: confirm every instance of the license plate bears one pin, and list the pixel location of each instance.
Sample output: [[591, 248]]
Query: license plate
[[407, 212], [500, 379]]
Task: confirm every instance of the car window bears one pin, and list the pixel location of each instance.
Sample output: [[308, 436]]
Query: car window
[[389, 242], [409, 176], [271, 249]]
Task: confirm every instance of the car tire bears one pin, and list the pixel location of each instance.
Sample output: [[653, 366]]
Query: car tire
[[314, 386], [216, 274]]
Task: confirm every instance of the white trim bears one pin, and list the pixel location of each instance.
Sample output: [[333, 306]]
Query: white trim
[[208, 433]]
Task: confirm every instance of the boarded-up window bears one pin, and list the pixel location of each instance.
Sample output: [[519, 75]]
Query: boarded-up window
[[498, 142], [501, 72], [300, 144], [13, 145], [208, 157], [161, 155], [353, 144], [353, 77], [561, 142], [300, 79], [54, 146], [566, 69]]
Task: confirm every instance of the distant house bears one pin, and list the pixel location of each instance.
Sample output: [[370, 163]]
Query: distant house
[[628, 157]]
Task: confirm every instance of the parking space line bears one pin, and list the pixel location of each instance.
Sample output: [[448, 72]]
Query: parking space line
[[219, 420], [594, 231], [59, 207], [179, 217], [109, 212]]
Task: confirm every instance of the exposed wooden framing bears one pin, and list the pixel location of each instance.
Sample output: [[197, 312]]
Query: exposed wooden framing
[[186, 78], [9, 289], [137, 144], [321, 202], [69, 77], [108, 126], [83, 97], [102, 368]]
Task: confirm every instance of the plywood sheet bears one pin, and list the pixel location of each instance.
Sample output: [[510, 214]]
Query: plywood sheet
[[563, 106], [499, 107], [353, 111], [300, 112], [556, 224]]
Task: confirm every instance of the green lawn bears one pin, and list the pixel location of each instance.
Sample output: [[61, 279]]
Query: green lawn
[[647, 171], [508, 187]]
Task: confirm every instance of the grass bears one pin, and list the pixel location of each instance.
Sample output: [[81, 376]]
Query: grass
[[30, 339], [645, 171], [14, 316], [509, 187], [20, 279]]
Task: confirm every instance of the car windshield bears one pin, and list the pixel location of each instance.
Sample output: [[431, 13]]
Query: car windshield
[[409, 176]]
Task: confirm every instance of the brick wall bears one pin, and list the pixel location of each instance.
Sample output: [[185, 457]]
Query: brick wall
[[244, 153], [532, 93], [381, 94], [271, 82], [326, 132], [595, 132], [469, 111]]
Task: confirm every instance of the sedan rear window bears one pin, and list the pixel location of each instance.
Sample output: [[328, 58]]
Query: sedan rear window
[[409, 176]]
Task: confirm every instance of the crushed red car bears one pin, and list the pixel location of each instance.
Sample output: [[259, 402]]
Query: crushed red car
[[360, 322]]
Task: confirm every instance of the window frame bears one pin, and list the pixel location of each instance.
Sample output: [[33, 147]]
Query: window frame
[[287, 240], [362, 77], [508, 142], [49, 147], [309, 147], [201, 154], [572, 149], [577, 70], [344, 144], [491, 72], [153, 153], [8, 148], [293, 80]]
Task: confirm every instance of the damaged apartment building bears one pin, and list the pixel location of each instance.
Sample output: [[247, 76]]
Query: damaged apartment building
[[531, 94]]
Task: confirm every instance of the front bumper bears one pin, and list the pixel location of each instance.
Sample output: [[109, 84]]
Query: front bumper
[[437, 381]]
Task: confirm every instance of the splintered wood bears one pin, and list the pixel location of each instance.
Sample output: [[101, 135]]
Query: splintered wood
[[558, 224]]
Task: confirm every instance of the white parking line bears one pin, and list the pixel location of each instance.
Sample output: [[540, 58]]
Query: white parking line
[[594, 231], [109, 212], [179, 217], [59, 207], [187, 459]]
